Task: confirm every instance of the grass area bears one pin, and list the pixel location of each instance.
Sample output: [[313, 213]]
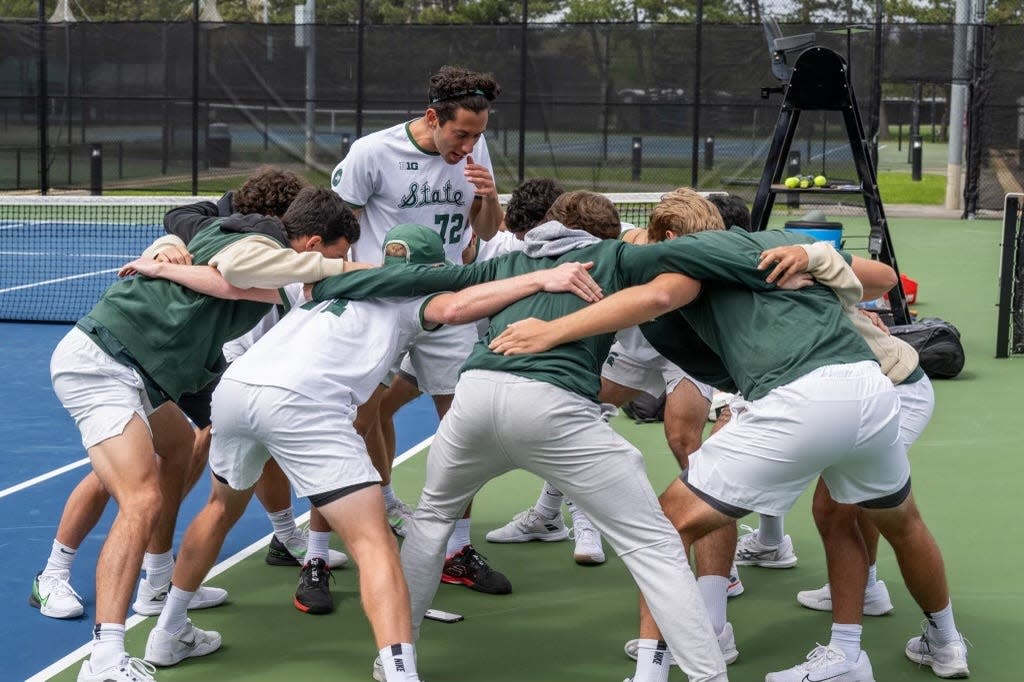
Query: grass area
[[898, 188]]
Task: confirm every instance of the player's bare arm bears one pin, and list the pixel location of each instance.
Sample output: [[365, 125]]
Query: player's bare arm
[[202, 279], [626, 308], [484, 300]]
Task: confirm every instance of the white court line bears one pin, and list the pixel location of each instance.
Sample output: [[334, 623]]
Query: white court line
[[58, 280], [43, 477], [65, 254], [83, 651]]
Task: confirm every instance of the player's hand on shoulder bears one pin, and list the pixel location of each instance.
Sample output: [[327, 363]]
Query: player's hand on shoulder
[[525, 336], [572, 278], [173, 253], [785, 261]]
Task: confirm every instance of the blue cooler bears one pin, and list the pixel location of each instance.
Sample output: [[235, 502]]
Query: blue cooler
[[819, 230]]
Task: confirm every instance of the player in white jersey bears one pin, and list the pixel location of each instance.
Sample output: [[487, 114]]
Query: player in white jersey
[[293, 397], [435, 171]]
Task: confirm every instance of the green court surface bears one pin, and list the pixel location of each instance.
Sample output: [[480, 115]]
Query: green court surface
[[565, 622]]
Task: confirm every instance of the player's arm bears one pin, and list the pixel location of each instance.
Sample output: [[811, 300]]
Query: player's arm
[[484, 300], [625, 308], [486, 214], [862, 278], [202, 279], [405, 280], [259, 261]]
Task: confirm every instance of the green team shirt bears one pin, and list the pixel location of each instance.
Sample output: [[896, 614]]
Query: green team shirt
[[763, 336], [173, 334]]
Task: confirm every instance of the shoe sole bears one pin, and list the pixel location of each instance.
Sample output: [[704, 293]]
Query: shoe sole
[[785, 563], [588, 560], [162, 662], [937, 668], [868, 611], [466, 582], [312, 610], [533, 537], [736, 591], [276, 559]]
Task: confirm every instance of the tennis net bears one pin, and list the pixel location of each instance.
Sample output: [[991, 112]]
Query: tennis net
[[58, 254]]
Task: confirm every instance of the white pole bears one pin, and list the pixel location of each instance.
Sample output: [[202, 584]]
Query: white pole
[[310, 82], [957, 107]]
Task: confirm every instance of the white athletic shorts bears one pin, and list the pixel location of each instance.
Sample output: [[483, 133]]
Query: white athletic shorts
[[839, 421], [314, 442], [435, 359], [917, 402], [101, 394], [654, 375]]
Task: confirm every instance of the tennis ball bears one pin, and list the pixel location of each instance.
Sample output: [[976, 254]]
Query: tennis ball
[[805, 183], [793, 182], [820, 181]]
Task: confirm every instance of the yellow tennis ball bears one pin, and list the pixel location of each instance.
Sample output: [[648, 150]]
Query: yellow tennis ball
[[820, 181], [793, 182], [805, 183]]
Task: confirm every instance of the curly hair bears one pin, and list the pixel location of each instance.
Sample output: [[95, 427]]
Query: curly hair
[[319, 211], [453, 88], [268, 191], [588, 211], [733, 209], [682, 211], [529, 202]]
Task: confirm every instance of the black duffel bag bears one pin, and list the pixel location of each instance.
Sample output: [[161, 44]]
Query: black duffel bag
[[937, 343]]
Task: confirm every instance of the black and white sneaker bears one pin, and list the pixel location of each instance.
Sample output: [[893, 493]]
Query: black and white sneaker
[[313, 594]]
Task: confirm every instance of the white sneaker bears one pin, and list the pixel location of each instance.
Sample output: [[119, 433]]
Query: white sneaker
[[876, 599], [529, 525], [399, 516], [826, 663], [292, 552], [378, 671], [127, 670], [949, 660], [750, 552], [151, 600], [726, 642], [53, 595], [164, 648], [588, 550], [735, 587]]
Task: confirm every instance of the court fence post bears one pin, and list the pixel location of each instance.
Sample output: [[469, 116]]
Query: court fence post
[[96, 169]]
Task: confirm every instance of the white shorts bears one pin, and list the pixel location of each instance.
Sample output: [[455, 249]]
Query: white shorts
[[101, 394], [839, 421], [314, 443], [917, 402], [436, 358], [655, 376]]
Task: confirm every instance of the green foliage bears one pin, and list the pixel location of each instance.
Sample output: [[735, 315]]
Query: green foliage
[[898, 188]]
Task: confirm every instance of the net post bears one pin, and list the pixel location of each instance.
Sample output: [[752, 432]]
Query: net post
[[96, 169]]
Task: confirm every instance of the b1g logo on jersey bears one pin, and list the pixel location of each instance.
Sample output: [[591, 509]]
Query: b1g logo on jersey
[[423, 195], [408, 165]]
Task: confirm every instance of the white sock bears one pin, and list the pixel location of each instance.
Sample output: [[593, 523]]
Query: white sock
[[107, 646], [941, 627], [846, 638], [316, 544], [61, 558], [653, 660], [549, 503], [459, 538], [399, 662], [771, 530], [283, 522], [714, 588], [175, 613], [872, 576], [159, 568], [389, 495]]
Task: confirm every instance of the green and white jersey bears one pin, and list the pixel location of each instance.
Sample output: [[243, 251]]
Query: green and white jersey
[[395, 181], [333, 351]]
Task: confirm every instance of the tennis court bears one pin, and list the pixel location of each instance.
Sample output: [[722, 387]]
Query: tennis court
[[562, 622]]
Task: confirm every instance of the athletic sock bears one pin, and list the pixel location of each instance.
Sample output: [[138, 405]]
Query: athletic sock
[[316, 544], [175, 613], [846, 638], [399, 661], [771, 530], [283, 522], [389, 495], [872, 576], [653, 660], [107, 646], [61, 558], [941, 627], [714, 590], [159, 568], [549, 503], [459, 538]]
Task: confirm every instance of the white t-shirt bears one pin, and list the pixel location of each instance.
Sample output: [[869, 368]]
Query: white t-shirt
[[394, 181], [235, 348], [337, 350]]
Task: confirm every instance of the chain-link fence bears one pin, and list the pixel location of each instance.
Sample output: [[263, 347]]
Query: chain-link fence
[[183, 106]]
